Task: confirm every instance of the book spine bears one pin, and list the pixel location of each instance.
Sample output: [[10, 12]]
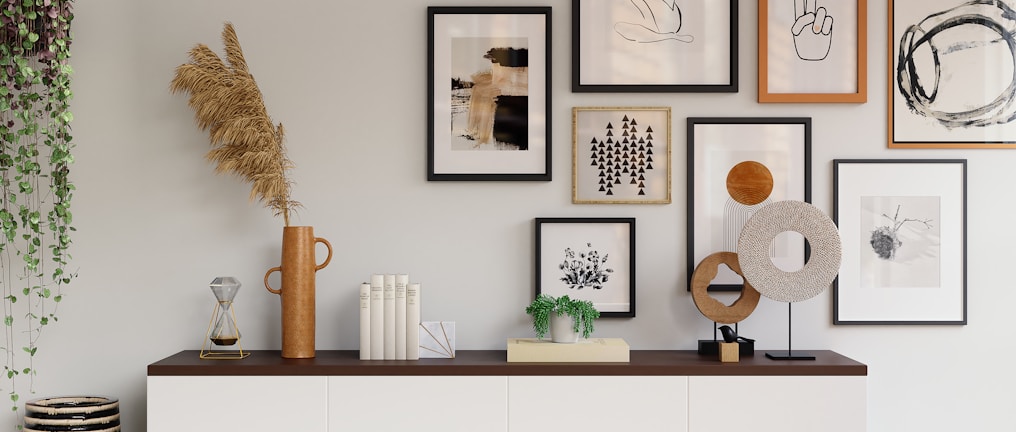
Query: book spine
[[365, 321], [413, 321], [389, 305], [400, 316], [377, 318]]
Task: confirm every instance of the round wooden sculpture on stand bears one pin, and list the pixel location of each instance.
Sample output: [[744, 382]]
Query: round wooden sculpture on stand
[[715, 310], [774, 283], [712, 308]]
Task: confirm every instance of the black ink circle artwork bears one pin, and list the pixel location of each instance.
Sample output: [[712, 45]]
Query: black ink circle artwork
[[921, 90], [758, 235]]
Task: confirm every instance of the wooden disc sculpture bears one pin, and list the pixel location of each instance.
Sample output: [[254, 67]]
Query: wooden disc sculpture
[[758, 235], [713, 309]]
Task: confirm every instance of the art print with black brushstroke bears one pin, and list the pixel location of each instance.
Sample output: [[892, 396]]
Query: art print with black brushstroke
[[490, 94]]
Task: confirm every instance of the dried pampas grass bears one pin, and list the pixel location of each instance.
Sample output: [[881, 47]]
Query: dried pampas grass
[[228, 103]]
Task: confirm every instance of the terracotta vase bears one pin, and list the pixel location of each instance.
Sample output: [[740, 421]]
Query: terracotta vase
[[299, 268]]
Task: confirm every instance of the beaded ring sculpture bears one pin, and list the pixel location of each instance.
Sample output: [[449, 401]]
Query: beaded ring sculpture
[[774, 283]]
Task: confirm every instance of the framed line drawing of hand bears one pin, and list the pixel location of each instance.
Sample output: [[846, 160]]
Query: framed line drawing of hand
[[813, 30], [804, 57]]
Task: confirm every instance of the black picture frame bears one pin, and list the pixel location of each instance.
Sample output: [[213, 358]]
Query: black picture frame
[[612, 33], [506, 137], [731, 142], [612, 289], [910, 268]]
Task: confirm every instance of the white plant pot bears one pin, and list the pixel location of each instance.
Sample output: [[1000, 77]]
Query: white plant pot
[[561, 329]]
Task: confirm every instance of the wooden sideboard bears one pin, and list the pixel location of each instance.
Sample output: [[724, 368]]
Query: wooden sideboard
[[480, 391]]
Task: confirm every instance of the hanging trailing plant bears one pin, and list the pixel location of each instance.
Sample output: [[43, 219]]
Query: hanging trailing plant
[[35, 217]]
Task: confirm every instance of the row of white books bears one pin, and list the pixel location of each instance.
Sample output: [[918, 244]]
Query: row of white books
[[389, 318]]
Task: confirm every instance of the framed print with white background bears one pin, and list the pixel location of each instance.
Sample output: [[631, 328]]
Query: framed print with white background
[[588, 259], [621, 155], [736, 166], [650, 46], [903, 225], [488, 93], [952, 74], [813, 51]]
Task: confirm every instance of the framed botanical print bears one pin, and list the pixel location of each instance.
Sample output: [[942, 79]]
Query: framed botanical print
[[903, 228], [952, 74], [488, 93], [588, 259], [621, 155], [736, 166], [654, 46]]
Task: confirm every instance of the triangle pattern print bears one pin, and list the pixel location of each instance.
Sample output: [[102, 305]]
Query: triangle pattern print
[[623, 157]]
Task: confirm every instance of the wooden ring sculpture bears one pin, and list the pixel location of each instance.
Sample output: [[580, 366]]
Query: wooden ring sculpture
[[759, 232], [713, 309]]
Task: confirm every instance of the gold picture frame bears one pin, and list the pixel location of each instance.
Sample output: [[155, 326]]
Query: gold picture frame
[[805, 58], [621, 155]]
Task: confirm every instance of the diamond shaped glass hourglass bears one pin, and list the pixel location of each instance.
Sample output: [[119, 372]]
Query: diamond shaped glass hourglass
[[222, 329]]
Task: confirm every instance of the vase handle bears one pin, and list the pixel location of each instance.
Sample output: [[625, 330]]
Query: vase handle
[[269, 287], [327, 260]]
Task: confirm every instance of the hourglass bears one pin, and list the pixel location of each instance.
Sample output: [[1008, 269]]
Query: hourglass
[[222, 329]]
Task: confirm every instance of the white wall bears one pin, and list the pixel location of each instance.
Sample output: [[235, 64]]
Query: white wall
[[348, 81]]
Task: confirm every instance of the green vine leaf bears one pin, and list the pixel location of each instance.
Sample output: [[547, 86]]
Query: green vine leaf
[[35, 187]]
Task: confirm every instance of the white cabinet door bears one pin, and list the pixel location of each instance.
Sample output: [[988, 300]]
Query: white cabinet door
[[598, 403], [418, 403], [237, 403], [778, 403]]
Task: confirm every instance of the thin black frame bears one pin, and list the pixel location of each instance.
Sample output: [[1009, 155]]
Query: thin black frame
[[578, 87], [692, 121], [963, 265], [487, 10], [539, 222]]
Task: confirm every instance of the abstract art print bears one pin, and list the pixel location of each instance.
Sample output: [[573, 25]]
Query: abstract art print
[[588, 259], [489, 71], [736, 166], [621, 155], [813, 51], [654, 46], [952, 74], [903, 225]]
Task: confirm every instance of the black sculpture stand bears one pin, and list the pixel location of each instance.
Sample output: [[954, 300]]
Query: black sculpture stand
[[746, 347], [789, 354]]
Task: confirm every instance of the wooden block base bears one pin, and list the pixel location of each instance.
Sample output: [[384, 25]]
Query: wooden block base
[[729, 352]]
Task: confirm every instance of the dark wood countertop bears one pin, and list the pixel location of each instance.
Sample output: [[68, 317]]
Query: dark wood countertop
[[495, 362]]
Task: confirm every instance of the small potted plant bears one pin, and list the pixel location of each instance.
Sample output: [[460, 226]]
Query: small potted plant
[[563, 317]]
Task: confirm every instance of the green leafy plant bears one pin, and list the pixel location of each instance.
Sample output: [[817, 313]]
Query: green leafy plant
[[582, 313], [35, 135]]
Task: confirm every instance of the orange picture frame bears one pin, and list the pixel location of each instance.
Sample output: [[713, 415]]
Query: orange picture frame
[[802, 56]]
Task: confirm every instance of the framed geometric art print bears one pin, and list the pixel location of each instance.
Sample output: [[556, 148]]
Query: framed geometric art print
[[736, 166], [621, 155]]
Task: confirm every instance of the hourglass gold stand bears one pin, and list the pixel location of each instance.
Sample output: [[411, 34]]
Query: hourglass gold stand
[[222, 329]]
